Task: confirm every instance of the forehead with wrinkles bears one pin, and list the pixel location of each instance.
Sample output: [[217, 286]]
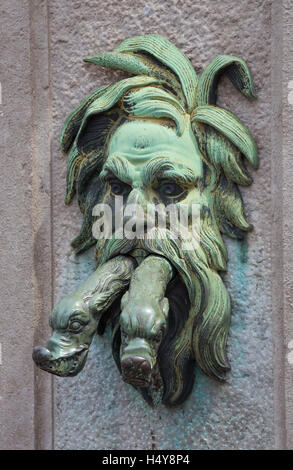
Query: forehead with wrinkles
[[140, 142]]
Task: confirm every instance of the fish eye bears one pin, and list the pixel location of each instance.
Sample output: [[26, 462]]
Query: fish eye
[[118, 188], [75, 326], [170, 189]]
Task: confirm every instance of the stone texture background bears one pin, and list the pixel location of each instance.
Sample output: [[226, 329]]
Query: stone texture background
[[96, 410]]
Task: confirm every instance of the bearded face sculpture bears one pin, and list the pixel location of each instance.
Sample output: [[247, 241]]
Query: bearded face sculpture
[[154, 141]]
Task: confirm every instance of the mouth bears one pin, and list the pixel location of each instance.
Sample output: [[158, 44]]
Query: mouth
[[139, 254], [66, 366]]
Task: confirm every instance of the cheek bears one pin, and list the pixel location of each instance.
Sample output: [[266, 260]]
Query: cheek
[[193, 196], [91, 326], [86, 335], [110, 199]]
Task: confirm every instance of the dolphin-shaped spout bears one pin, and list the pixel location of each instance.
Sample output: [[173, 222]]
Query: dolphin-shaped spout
[[75, 318]]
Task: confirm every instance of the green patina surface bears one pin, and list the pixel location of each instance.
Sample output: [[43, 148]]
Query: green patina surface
[[158, 138]]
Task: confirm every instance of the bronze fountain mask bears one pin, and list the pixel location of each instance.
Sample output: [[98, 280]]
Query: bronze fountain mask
[[154, 141]]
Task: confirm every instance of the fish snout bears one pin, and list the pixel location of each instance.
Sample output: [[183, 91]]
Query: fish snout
[[41, 355], [136, 371]]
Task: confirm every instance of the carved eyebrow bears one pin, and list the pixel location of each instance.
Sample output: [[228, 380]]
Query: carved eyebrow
[[161, 168], [78, 313], [118, 167], [60, 321]]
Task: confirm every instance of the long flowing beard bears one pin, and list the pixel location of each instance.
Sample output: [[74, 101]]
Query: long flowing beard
[[199, 316]]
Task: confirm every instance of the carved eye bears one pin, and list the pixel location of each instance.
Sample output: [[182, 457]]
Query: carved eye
[[75, 326], [118, 188], [170, 189]]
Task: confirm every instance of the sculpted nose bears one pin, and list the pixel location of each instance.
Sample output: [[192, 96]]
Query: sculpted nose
[[136, 196], [135, 210]]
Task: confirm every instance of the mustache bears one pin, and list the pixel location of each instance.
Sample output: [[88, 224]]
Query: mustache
[[199, 328], [158, 241]]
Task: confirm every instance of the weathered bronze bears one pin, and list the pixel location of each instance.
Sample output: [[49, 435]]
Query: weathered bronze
[[159, 142], [78, 316]]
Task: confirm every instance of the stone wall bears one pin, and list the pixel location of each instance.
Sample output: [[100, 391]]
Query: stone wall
[[43, 79]]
